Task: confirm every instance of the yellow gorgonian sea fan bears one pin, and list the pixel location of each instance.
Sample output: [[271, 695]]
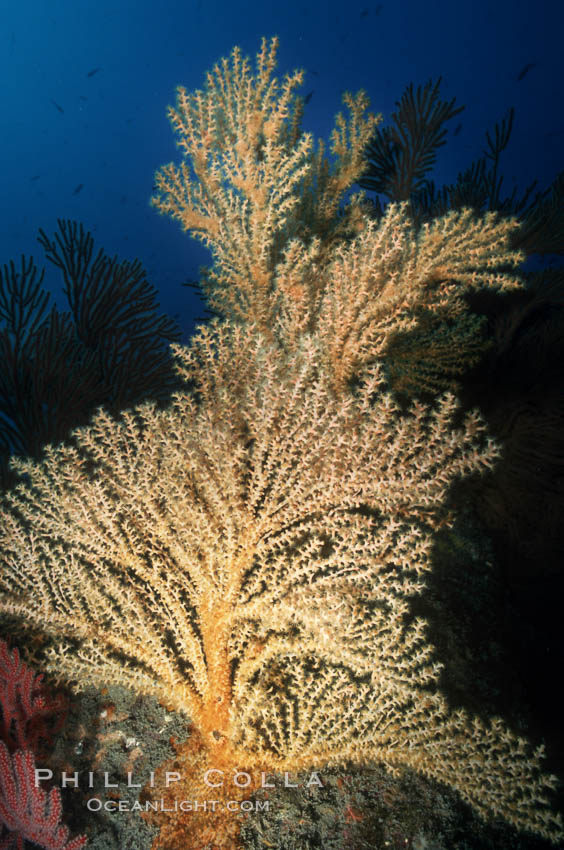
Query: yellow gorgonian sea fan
[[294, 254], [248, 557]]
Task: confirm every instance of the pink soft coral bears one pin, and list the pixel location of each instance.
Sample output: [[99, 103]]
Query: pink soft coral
[[29, 715]]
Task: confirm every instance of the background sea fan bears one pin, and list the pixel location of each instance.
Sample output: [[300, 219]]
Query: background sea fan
[[111, 348]]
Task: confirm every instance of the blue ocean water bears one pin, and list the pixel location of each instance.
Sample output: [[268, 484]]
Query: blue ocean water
[[86, 85]]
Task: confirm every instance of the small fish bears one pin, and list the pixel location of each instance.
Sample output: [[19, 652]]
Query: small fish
[[457, 129], [82, 97], [378, 9], [35, 177], [78, 188], [93, 71], [308, 96], [56, 105], [525, 70], [364, 13]]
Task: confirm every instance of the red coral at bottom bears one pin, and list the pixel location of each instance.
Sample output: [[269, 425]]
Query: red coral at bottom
[[28, 811]]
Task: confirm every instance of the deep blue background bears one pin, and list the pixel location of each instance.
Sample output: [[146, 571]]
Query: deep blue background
[[114, 134]]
